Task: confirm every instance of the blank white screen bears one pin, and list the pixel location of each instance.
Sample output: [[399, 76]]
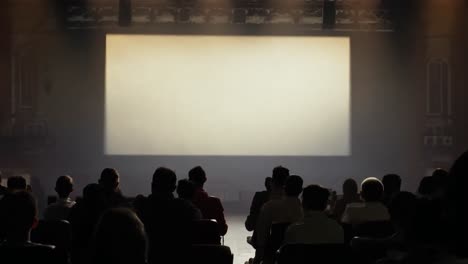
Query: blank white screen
[[227, 95]]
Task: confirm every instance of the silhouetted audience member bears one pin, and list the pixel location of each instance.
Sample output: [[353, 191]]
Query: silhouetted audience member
[[279, 177], [18, 214], [392, 185], [350, 195], [16, 183], [402, 213], [166, 218], [83, 218], [371, 209], [110, 180], [210, 206], [285, 210], [258, 200], [186, 190], [61, 208], [316, 227], [427, 187], [119, 238]]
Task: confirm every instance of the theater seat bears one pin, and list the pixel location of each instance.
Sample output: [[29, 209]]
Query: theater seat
[[317, 254], [375, 229], [210, 254], [30, 253], [57, 233], [205, 231]]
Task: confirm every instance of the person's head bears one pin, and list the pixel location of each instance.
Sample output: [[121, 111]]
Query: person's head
[[279, 177], [371, 189], [391, 183], [186, 189], [64, 186], [19, 213], [427, 186], [164, 181], [350, 187], [268, 183], [440, 173], [16, 183], [119, 238], [198, 176], [293, 186], [315, 198], [401, 209], [109, 180]]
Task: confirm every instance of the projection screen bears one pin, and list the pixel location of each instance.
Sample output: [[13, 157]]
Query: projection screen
[[227, 95]]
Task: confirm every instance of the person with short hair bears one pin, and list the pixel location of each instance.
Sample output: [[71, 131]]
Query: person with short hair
[[110, 181], [167, 219], [371, 209], [279, 177], [18, 216], [186, 190], [286, 210], [16, 183], [61, 208], [316, 227], [259, 199], [350, 195], [392, 186], [210, 206]]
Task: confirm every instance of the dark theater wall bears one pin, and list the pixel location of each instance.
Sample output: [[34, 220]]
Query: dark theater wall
[[5, 69]]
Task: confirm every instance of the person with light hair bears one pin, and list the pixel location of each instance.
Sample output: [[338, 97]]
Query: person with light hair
[[371, 209]]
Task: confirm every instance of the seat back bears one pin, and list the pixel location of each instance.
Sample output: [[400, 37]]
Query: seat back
[[374, 229], [56, 232], [275, 240], [32, 253], [210, 254], [205, 231], [317, 254]]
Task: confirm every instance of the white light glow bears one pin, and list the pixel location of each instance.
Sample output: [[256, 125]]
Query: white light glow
[[227, 95]]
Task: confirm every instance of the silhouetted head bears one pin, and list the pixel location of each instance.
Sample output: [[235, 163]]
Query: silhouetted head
[[64, 186], [371, 189], [268, 183], [164, 180], [19, 213], [315, 198], [119, 238], [109, 180], [16, 183], [350, 187], [391, 183], [198, 176], [186, 189], [279, 177], [427, 186], [440, 173], [293, 186], [402, 208]]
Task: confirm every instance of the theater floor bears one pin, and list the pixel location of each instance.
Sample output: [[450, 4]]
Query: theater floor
[[236, 238]]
